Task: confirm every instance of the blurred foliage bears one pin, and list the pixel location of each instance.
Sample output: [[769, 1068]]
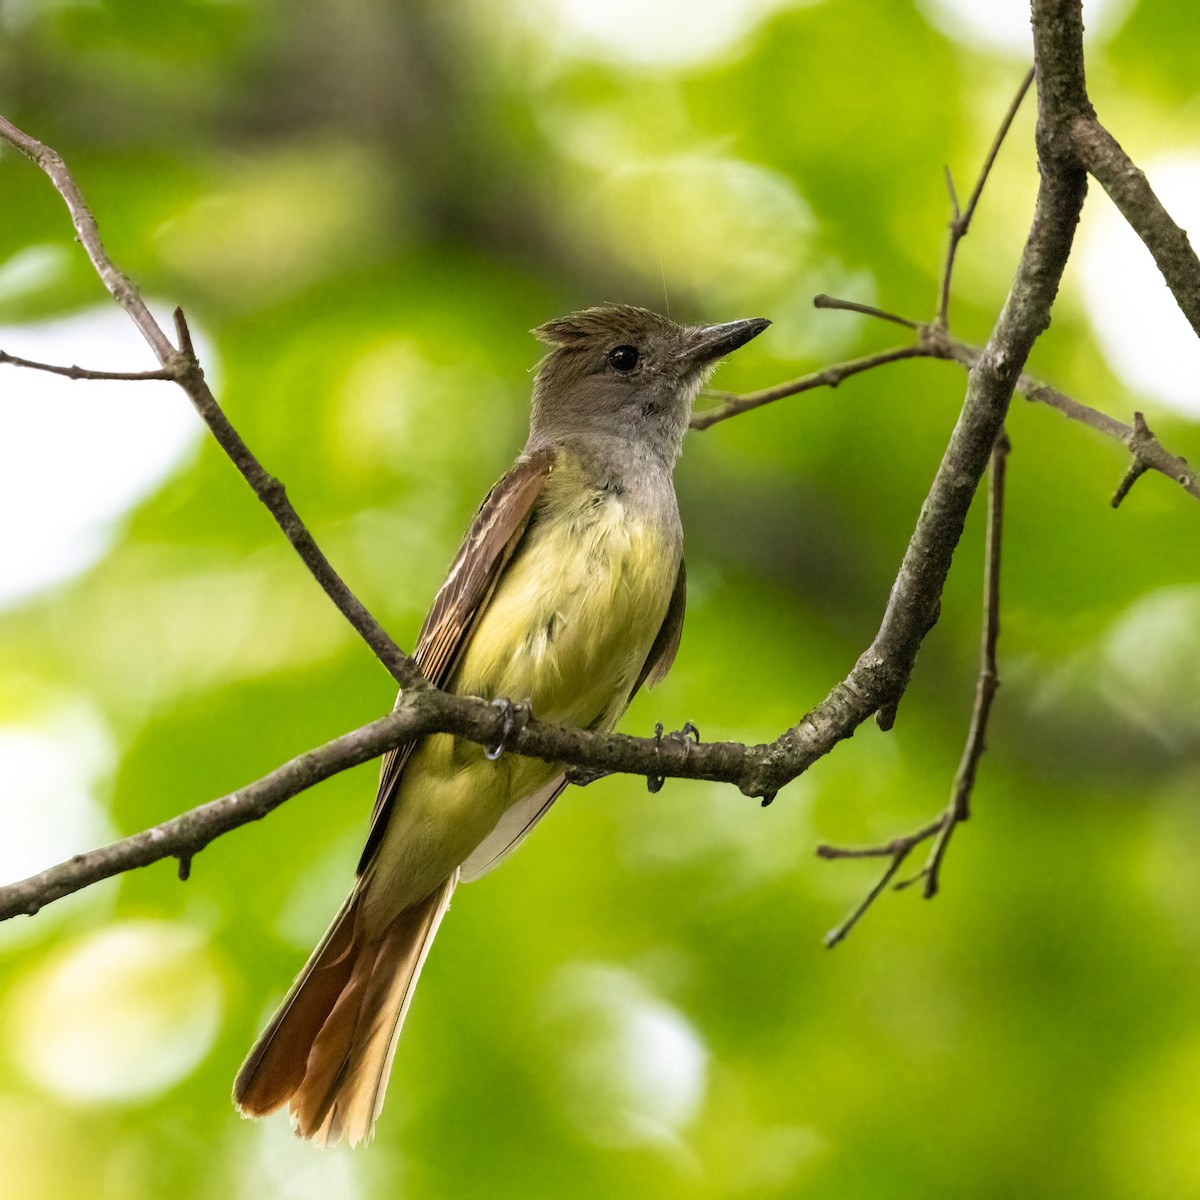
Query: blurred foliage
[[364, 206]]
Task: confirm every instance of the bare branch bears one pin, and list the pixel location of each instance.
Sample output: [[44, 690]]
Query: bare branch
[[83, 372], [898, 850], [182, 367], [867, 310], [958, 810], [960, 222], [733, 404], [120, 286], [1130, 191], [937, 343], [416, 713], [186, 835]]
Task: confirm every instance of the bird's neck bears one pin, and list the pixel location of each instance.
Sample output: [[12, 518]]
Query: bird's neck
[[610, 461]]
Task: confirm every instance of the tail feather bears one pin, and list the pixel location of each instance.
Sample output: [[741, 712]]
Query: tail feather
[[329, 1049], [274, 1068]]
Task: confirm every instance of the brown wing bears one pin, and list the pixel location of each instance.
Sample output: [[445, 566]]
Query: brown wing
[[490, 542], [666, 644]]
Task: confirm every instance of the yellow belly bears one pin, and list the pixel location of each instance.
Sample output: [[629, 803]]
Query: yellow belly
[[569, 629]]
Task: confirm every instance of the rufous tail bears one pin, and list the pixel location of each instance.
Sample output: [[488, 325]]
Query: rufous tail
[[328, 1050]]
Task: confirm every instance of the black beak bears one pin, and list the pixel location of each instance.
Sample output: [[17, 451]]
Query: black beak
[[707, 343]]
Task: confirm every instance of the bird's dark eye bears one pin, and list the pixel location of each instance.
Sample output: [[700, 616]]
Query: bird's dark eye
[[623, 358]]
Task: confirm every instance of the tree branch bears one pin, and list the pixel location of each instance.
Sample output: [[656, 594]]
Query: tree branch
[[416, 713], [82, 372], [937, 343], [1100, 153], [874, 685], [959, 808], [181, 366], [733, 405], [960, 223]]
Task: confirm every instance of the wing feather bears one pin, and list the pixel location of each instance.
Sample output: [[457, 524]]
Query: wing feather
[[666, 644], [490, 542], [511, 830]]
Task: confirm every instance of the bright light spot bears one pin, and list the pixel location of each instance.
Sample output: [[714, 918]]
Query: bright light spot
[[122, 1014], [1144, 337], [257, 238], [1151, 661], [32, 269], [719, 227], [286, 1168], [632, 1069], [162, 647], [653, 33], [1003, 25], [75, 456], [393, 398], [48, 808], [18, 14]]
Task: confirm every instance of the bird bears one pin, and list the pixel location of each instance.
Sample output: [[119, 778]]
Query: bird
[[567, 595]]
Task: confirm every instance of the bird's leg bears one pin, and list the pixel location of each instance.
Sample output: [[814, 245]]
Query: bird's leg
[[683, 736], [515, 717]]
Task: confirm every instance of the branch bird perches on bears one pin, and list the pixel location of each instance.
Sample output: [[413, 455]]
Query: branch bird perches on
[[1071, 143]]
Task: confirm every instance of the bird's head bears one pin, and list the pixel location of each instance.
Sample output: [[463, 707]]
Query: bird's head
[[627, 372]]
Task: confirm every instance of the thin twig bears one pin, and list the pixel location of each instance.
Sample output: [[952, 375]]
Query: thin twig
[[935, 342], [732, 405], [867, 310], [960, 222], [898, 850], [181, 366], [1139, 439], [120, 286], [882, 671], [83, 372], [959, 808]]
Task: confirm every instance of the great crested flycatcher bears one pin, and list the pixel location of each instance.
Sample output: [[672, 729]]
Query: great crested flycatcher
[[568, 592]]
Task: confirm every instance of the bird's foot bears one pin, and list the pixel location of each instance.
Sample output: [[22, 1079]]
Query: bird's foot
[[685, 737], [514, 718]]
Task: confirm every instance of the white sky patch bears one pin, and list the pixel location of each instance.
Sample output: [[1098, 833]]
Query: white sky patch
[[121, 1014], [77, 455], [651, 33], [1002, 26], [1145, 339], [632, 1070]]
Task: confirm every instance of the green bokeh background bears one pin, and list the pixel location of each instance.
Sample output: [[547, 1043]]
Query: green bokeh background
[[364, 207]]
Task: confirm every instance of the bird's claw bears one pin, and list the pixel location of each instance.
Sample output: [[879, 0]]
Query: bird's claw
[[514, 718], [684, 736]]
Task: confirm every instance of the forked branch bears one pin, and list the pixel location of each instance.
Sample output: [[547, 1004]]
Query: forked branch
[[879, 677], [959, 808]]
